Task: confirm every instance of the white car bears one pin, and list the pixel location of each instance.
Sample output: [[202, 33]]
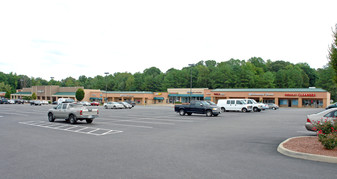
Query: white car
[[234, 105], [44, 102], [113, 105], [84, 103], [11, 101], [329, 115], [126, 105]]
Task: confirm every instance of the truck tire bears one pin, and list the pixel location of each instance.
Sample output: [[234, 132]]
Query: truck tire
[[244, 110], [223, 109], [72, 119], [51, 117], [182, 112], [89, 121], [255, 109], [209, 113]]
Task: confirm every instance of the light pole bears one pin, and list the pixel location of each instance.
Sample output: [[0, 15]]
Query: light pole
[[106, 87], [191, 65]]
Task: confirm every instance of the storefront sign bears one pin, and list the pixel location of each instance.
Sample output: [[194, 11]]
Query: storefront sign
[[157, 94], [301, 95], [261, 94], [125, 95], [222, 94], [40, 91]]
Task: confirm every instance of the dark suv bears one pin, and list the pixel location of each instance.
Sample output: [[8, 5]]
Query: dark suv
[[3, 101], [332, 106], [19, 101]]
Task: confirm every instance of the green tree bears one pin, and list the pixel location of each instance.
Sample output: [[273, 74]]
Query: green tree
[[333, 54], [325, 80], [34, 96], [8, 94], [79, 94]]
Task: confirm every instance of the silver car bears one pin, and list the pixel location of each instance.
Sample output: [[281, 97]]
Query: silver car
[[72, 112], [113, 105], [329, 115]]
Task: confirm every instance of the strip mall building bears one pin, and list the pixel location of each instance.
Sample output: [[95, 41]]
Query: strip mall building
[[287, 97]]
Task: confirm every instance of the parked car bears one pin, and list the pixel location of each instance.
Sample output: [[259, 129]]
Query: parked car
[[4, 101], [35, 103], [257, 107], [198, 107], [44, 102], [113, 105], [329, 115], [65, 100], [234, 105], [332, 106], [54, 102], [126, 105], [11, 101], [131, 102], [273, 106], [94, 103], [84, 103], [264, 106], [19, 101], [72, 112]]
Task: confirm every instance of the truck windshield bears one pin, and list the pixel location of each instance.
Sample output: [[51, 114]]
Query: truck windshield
[[204, 103]]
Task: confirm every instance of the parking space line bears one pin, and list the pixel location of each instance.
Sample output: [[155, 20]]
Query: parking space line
[[80, 130], [163, 123]]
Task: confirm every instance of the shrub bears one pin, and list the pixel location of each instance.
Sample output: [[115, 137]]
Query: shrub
[[326, 133]]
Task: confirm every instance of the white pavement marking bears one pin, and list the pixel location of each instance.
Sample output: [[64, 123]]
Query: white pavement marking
[[68, 127], [164, 123], [14, 114]]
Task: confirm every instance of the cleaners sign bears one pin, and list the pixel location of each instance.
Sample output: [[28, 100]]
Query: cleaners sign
[[301, 95]]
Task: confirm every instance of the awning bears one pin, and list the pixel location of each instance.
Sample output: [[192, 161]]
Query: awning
[[185, 95], [158, 98], [207, 98], [95, 98]]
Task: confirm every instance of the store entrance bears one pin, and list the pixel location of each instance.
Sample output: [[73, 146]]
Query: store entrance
[[289, 102]]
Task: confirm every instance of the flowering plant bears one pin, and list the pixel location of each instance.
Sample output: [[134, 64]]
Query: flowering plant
[[327, 133]]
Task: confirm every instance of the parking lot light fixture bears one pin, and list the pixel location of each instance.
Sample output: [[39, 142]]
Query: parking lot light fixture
[[191, 65], [106, 86]]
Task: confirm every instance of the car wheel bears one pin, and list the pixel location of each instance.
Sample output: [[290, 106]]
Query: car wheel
[[114, 107], [244, 110], [182, 112], [209, 113], [255, 109], [223, 110], [89, 121], [274, 108], [72, 119], [106, 107], [51, 117]]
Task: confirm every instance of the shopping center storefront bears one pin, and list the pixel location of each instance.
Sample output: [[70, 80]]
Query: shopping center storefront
[[284, 97], [287, 97]]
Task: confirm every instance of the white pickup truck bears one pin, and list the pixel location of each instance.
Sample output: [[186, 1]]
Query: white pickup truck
[[72, 112]]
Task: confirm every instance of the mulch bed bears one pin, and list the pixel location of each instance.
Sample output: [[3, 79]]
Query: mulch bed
[[309, 145]]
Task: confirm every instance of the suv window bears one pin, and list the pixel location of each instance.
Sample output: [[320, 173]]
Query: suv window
[[238, 102], [64, 106], [232, 101], [228, 102], [197, 103], [59, 106]]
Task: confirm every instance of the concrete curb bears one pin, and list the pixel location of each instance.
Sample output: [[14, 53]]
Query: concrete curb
[[305, 156]]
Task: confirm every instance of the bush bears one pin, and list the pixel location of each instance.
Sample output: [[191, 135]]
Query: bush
[[327, 134]]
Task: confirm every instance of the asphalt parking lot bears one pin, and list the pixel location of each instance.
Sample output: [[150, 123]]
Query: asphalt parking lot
[[153, 142]]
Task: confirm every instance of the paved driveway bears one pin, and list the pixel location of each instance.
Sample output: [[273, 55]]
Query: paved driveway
[[153, 142]]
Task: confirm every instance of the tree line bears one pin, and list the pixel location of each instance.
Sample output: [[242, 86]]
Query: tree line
[[234, 73]]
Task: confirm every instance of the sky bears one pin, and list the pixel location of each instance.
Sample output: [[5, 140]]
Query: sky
[[62, 38]]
